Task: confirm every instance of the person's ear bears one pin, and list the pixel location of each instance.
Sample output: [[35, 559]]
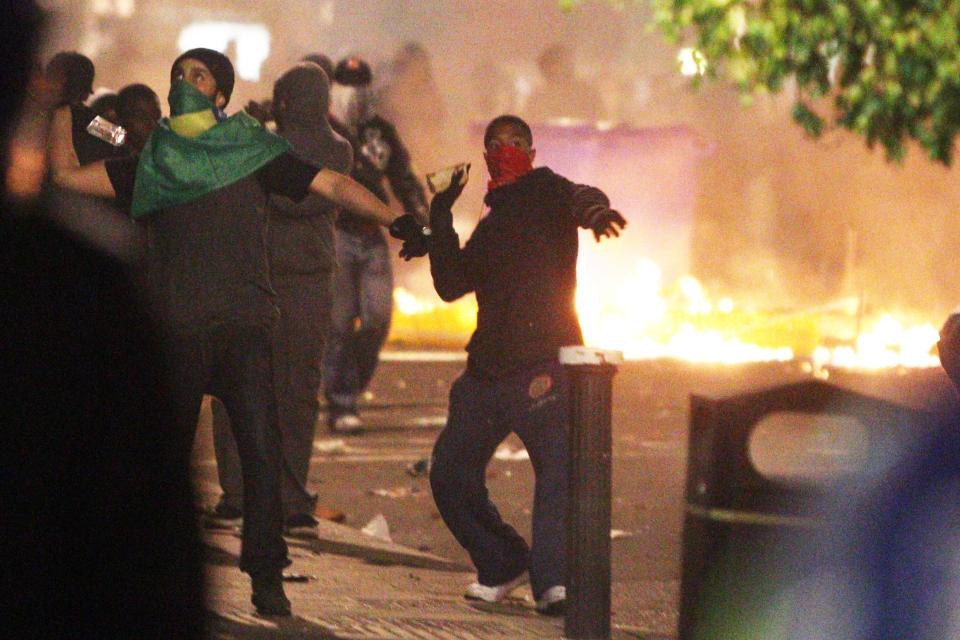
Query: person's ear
[[220, 100], [533, 154]]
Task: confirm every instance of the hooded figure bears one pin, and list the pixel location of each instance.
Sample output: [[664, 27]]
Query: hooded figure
[[363, 293], [302, 260], [301, 99], [302, 234]]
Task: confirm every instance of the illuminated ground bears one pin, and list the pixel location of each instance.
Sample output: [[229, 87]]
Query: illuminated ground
[[649, 424]]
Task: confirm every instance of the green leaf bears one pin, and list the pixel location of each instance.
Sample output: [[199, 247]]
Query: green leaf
[[806, 118], [898, 61]]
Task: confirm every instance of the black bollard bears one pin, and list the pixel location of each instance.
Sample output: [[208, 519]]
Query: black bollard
[[591, 374]]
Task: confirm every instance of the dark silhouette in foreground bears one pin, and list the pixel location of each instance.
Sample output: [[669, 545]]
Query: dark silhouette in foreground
[[99, 533]]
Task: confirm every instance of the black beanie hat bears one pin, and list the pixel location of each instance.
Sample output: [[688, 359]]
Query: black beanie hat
[[219, 65], [353, 72]]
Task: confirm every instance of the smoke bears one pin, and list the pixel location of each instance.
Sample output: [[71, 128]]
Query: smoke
[[774, 216]]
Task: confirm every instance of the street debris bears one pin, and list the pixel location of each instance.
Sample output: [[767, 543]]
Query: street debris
[[329, 513], [378, 528], [298, 577], [419, 468], [397, 492], [504, 452], [429, 421], [620, 533], [333, 446]]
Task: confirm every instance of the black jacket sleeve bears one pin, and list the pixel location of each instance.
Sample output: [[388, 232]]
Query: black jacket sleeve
[[583, 198], [450, 265], [123, 176], [288, 175]]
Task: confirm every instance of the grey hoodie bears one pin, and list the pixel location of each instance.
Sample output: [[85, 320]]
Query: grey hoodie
[[301, 237]]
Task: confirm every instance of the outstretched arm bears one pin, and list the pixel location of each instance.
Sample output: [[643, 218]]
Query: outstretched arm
[[351, 195], [591, 208]]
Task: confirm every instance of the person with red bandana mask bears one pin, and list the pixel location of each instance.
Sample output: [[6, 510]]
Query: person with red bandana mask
[[521, 262]]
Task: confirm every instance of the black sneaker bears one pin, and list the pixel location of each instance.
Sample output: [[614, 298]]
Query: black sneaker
[[268, 596], [222, 516], [302, 525]]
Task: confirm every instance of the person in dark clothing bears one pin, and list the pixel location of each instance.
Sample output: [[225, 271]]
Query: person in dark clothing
[[105, 106], [83, 213], [363, 289], [302, 262], [138, 111], [77, 72], [323, 61], [100, 539], [521, 262], [100, 535], [209, 277]]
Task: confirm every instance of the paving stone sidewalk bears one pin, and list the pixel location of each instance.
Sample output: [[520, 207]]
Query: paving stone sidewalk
[[360, 588]]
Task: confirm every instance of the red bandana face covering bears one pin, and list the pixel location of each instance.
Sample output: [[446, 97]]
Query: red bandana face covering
[[506, 163]]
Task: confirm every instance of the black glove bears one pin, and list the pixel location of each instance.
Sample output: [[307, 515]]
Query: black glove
[[605, 222], [413, 234], [441, 206], [417, 246], [405, 227]]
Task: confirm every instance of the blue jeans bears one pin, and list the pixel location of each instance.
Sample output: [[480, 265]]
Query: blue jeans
[[534, 405], [235, 364], [359, 320]]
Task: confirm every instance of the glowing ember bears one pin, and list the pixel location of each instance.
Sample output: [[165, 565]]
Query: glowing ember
[[887, 344], [645, 322], [636, 314]]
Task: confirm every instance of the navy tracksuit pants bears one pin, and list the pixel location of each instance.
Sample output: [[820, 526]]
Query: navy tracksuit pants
[[533, 404]]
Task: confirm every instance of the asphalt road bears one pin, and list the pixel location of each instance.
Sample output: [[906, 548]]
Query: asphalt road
[[366, 475]]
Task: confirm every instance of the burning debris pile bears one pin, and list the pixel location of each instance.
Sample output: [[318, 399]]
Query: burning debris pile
[[647, 320]]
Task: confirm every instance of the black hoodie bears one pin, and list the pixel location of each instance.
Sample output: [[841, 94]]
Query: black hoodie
[[301, 237], [522, 263]]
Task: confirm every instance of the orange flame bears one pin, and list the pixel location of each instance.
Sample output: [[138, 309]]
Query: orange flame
[[639, 316]]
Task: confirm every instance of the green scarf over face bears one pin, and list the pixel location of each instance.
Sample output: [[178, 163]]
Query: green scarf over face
[[191, 154]]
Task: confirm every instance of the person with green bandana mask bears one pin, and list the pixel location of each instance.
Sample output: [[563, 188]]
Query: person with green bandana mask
[[200, 187]]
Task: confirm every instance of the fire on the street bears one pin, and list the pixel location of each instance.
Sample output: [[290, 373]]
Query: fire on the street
[[647, 320]]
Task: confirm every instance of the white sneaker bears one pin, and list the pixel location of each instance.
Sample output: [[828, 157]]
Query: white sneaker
[[348, 423], [553, 602], [496, 593]]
